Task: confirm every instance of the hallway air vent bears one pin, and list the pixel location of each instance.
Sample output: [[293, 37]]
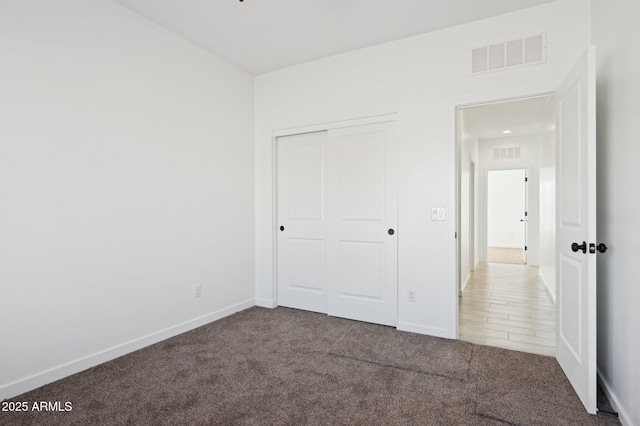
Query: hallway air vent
[[506, 153], [531, 50]]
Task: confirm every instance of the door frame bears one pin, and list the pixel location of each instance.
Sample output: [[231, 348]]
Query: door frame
[[455, 204], [290, 131], [473, 199]]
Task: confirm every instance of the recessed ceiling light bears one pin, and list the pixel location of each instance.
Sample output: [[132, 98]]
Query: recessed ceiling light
[[506, 132]]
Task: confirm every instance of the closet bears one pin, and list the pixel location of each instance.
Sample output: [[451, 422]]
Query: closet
[[337, 242]]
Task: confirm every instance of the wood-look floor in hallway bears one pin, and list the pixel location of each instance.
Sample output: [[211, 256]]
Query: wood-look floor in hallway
[[505, 255], [507, 306]]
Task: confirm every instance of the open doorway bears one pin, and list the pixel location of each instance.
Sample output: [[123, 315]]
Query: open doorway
[[507, 216], [506, 202]]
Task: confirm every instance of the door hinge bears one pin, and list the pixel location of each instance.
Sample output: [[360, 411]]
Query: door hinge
[[525, 248], [456, 236], [526, 179], [526, 213]]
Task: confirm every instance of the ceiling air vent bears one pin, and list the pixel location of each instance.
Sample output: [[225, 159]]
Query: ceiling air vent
[[506, 153], [520, 52]]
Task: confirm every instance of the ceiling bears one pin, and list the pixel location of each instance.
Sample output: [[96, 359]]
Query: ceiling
[[522, 117], [265, 35]]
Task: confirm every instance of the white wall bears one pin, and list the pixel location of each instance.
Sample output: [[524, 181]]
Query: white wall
[[529, 152], [468, 146], [421, 78], [505, 208], [616, 34], [547, 213], [126, 177]]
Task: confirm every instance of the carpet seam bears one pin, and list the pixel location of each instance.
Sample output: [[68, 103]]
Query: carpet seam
[[469, 361], [475, 410], [476, 413], [341, 337], [397, 367], [486, 416]]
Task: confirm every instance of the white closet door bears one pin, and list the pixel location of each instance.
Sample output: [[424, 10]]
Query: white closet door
[[302, 224], [362, 229]]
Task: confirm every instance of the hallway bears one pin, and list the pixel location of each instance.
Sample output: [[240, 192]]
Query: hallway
[[507, 306]]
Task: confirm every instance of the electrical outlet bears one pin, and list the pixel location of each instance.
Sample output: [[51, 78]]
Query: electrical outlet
[[197, 291], [411, 295]]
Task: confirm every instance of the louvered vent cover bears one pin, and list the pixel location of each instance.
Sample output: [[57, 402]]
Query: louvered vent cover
[[521, 52], [506, 153]]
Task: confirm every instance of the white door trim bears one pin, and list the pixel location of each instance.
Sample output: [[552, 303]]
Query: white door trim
[[375, 119]]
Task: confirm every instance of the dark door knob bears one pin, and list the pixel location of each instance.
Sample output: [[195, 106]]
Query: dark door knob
[[391, 231], [575, 247], [602, 247], [282, 228]]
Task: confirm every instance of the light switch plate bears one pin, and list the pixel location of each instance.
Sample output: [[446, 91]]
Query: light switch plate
[[438, 213]]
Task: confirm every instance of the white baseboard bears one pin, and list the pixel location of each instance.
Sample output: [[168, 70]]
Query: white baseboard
[[266, 303], [547, 287], [465, 284], [422, 329], [623, 416], [37, 380]]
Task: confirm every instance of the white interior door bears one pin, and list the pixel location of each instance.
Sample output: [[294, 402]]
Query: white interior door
[[302, 222], [576, 223], [525, 218], [362, 209]]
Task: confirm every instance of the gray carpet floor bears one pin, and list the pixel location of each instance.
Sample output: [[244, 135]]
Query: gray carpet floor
[[290, 367]]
